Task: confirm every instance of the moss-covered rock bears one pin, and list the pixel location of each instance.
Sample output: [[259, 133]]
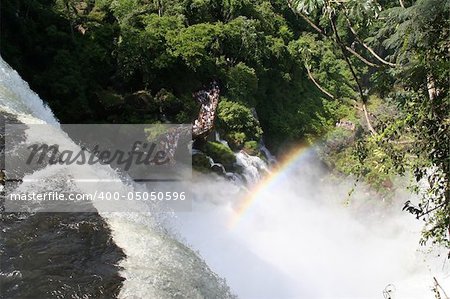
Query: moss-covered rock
[[200, 163], [221, 154]]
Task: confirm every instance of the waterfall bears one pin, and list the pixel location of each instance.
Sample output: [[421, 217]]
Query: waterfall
[[253, 167], [17, 98], [296, 239], [270, 158], [156, 264]]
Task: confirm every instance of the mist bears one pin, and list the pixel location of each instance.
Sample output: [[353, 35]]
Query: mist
[[304, 237]]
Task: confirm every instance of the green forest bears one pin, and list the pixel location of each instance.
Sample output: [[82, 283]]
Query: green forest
[[367, 79]]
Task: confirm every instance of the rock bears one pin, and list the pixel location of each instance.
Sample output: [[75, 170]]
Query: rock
[[200, 163], [221, 154], [346, 124]]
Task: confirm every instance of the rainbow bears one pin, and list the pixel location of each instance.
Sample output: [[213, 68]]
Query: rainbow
[[268, 183]]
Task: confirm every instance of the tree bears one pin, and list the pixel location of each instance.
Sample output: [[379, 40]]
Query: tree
[[419, 38], [331, 10], [415, 78]]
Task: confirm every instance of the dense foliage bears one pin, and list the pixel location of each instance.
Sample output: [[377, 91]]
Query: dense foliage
[[139, 61], [410, 130]]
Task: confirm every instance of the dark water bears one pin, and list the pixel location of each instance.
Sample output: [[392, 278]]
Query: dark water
[[56, 255]]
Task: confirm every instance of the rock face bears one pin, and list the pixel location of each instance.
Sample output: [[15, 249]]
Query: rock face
[[209, 100]]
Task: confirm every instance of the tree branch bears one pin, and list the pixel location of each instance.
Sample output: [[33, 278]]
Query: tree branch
[[355, 34], [318, 85], [321, 32], [439, 286], [309, 21], [344, 49], [361, 58]]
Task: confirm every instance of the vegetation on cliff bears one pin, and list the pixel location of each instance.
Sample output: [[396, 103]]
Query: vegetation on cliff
[[139, 61]]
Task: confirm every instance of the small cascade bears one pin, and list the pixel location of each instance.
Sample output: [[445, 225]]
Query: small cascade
[[270, 158], [216, 166], [253, 167], [220, 169], [218, 139]]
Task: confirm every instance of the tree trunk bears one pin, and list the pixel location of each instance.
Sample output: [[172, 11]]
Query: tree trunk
[[431, 86], [355, 77], [432, 91], [369, 124]]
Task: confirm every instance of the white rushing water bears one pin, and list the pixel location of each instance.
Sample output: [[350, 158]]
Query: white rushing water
[[253, 168], [156, 265], [17, 98], [297, 240]]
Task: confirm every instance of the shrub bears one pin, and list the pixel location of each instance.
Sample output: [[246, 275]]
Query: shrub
[[251, 147], [238, 122]]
